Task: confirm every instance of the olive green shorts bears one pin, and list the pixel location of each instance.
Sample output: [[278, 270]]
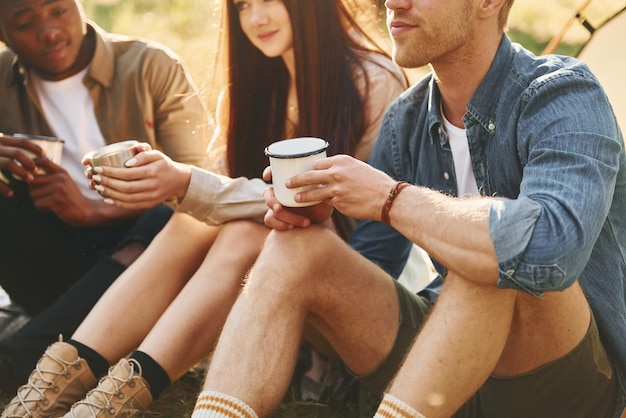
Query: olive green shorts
[[553, 391]]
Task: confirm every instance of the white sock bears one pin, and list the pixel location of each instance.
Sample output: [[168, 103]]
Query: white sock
[[392, 407], [219, 405]]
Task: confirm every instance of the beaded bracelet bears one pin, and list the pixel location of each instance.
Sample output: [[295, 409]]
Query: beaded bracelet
[[395, 191]]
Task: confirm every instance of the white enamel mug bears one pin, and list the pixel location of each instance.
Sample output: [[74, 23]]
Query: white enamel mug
[[291, 157]]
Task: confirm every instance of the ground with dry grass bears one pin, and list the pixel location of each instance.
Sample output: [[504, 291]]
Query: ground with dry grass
[[178, 401], [352, 401]]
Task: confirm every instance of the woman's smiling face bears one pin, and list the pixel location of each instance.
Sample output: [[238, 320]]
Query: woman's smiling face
[[267, 25]]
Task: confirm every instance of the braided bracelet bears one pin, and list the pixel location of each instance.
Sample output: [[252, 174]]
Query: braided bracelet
[[395, 191]]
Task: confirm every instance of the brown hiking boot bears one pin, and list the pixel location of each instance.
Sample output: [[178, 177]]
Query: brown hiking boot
[[59, 379], [122, 393]]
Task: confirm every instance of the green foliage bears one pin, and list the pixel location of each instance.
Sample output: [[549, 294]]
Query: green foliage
[[537, 46], [184, 18], [189, 27]]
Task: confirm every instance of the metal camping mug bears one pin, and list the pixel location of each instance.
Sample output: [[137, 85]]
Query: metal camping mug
[[112, 155], [53, 147]]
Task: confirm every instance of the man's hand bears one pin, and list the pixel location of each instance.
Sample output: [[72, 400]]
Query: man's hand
[[14, 161], [350, 185], [56, 192]]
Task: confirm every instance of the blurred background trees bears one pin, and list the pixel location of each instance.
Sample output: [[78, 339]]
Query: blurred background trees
[[190, 27]]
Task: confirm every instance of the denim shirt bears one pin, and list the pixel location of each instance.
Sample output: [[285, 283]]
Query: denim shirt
[[543, 140]]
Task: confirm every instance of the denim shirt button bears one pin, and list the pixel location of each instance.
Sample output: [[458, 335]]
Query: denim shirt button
[[491, 126], [446, 175], [510, 272]]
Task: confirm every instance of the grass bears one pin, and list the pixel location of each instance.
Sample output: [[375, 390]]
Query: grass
[[178, 401], [352, 401]]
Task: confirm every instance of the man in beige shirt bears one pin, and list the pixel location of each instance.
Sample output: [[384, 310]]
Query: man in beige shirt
[[62, 76]]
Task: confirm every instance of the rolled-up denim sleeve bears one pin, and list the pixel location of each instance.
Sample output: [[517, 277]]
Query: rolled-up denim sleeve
[[507, 219], [570, 153]]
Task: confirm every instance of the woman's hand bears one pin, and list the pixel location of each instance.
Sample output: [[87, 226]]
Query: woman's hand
[[149, 178], [284, 218]]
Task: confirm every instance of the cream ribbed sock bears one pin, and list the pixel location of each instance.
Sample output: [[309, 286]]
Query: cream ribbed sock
[[392, 407], [219, 405]]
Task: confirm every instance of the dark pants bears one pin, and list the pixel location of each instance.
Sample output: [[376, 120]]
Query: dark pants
[[62, 285], [41, 256]]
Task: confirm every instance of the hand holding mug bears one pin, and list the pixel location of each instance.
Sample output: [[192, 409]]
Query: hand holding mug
[[284, 218], [19, 151], [289, 158], [140, 179]]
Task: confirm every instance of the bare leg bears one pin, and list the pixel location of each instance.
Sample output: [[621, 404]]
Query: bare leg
[[305, 274], [194, 320], [122, 318], [475, 331]]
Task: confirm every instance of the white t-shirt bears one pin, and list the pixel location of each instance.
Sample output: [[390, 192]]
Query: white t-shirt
[[466, 182], [69, 110]]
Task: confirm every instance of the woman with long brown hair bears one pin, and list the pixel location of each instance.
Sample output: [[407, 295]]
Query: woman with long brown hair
[[290, 68]]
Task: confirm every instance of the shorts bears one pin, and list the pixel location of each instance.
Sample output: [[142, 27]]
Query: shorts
[[413, 312], [554, 390]]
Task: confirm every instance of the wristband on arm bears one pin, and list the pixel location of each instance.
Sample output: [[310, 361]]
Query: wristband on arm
[[393, 193]]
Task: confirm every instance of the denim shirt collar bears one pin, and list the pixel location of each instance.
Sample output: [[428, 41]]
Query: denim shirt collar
[[435, 120], [482, 108]]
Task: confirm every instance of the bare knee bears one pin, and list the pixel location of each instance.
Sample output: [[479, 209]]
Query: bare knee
[[179, 225], [237, 233], [297, 259], [239, 243]]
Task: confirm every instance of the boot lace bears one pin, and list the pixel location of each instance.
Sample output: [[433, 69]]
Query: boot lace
[[100, 398], [39, 383]]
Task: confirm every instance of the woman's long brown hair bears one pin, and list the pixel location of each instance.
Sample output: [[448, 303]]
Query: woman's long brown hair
[[329, 101]]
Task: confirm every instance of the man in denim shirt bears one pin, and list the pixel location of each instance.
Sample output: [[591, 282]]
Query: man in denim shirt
[[516, 186]]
